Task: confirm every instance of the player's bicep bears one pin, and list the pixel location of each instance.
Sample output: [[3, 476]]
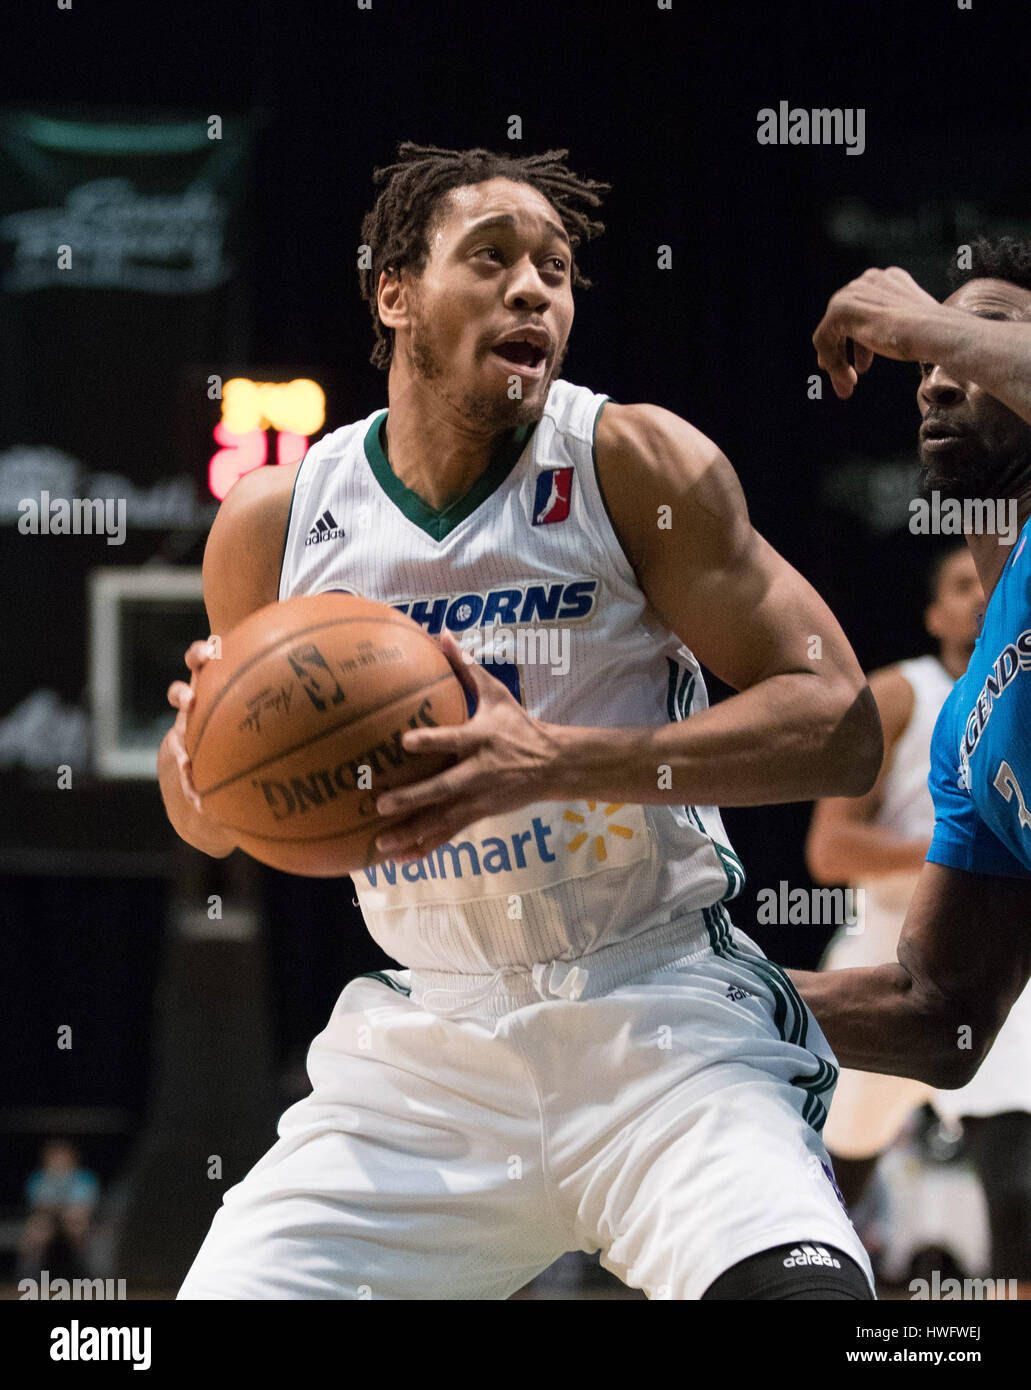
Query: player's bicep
[[746, 613], [681, 518], [244, 548]]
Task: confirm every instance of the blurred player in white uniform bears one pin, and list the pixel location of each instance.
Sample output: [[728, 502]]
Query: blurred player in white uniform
[[878, 844]]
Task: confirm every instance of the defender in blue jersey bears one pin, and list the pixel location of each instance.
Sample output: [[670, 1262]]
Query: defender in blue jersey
[[981, 749], [964, 955]]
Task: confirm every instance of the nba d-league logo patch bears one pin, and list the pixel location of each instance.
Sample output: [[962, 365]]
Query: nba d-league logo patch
[[554, 489]]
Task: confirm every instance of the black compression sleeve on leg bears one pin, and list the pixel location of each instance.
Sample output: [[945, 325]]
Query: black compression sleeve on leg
[[804, 1269]]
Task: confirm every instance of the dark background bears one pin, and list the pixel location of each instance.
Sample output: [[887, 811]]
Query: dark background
[[661, 104]]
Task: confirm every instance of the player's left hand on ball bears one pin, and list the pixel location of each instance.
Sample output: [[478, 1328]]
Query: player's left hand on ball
[[504, 757], [883, 311]]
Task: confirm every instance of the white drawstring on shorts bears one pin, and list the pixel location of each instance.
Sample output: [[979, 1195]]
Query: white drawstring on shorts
[[552, 979]]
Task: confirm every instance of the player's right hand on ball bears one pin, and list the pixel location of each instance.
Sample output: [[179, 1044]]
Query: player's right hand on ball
[[181, 697]]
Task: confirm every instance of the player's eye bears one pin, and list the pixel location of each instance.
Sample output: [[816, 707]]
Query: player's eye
[[559, 263], [496, 251]]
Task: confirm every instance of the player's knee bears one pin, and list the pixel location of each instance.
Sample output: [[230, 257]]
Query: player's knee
[[800, 1270]]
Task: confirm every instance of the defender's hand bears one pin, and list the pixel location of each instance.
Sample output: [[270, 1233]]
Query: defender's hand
[[885, 312]]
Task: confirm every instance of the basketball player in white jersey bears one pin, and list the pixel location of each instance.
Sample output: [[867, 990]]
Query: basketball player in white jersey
[[878, 843], [579, 1051]]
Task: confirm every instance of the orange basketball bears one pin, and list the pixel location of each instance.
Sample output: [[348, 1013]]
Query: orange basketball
[[296, 729]]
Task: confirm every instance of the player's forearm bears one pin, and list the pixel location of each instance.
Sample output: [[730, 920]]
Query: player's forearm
[[195, 829], [854, 850], [790, 738], [994, 354], [878, 1019]]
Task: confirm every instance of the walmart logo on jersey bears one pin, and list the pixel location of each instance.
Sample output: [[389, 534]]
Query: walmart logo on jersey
[[509, 606], [536, 847]]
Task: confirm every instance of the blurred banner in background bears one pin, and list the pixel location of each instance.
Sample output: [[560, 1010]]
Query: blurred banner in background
[[122, 265], [122, 258]]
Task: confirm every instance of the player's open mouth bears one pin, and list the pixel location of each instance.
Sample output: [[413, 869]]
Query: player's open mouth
[[527, 358]]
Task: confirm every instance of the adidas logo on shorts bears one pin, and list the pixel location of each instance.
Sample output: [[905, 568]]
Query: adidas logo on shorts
[[810, 1255], [325, 529]]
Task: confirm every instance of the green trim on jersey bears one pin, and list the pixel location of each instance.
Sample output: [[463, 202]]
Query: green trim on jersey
[[437, 524], [679, 695], [790, 1015], [384, 979]]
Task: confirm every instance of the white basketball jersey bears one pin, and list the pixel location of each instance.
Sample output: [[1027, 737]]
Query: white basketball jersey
[[526, 571], [906, 806]]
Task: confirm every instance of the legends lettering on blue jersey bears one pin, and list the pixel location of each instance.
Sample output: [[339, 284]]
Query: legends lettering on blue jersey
[[1014, 658], [533, 603], [981, 748]]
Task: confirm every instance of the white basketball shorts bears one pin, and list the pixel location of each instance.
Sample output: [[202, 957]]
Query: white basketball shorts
[[661, 1107]]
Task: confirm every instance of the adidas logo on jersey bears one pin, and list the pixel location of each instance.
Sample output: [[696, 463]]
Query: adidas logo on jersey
[[810, 1255], [325, 529]]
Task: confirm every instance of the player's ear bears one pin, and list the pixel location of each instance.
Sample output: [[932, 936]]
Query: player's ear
[[932, 619], [392, 295]]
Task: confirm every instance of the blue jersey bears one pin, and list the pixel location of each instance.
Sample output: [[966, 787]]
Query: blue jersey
[[981, 748]]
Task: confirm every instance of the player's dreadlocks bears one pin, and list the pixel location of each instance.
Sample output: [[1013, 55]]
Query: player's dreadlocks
[[1004, 258], [397, 228]]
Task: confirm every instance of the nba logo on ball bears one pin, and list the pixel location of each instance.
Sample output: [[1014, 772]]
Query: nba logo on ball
[[554, 489]]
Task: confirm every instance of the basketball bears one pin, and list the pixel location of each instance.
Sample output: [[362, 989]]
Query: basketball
[[296, 729]]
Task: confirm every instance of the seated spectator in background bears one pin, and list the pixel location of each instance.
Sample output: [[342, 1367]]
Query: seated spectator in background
[[61, 1198]]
